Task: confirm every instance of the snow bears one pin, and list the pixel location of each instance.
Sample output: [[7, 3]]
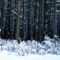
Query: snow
[[31, 57], [0, 30], [49, 49]]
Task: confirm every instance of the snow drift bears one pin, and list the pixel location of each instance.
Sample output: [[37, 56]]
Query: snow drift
[[48, 46]]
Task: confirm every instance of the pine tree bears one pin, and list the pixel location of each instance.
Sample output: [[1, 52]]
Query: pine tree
[[58, 26], [0, 18], [3, 19], [21, 33], [29, 21], [34, 18], [18, 19], [8, 18], [48, 20], [41, 26]]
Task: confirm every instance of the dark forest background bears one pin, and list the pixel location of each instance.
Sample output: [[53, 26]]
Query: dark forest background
[[29, 19]]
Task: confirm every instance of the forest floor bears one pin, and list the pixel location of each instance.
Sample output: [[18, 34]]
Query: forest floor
[[49, 49]]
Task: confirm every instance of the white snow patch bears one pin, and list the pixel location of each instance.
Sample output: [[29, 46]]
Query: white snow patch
[[11, 47], [31, 57]]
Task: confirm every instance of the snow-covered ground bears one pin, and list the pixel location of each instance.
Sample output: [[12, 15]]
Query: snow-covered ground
[[31, 57], [49, 49]]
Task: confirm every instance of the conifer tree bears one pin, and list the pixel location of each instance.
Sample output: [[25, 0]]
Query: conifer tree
[[3, 19], [8, 18]]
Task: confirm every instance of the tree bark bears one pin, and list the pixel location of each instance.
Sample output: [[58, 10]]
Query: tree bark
[[18, 19]]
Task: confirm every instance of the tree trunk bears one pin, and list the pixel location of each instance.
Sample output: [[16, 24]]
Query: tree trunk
[[18, 19]]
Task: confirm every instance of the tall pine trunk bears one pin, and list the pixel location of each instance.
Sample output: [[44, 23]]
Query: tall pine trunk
[[18, 19]]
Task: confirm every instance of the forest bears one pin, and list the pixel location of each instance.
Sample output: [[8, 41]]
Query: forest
[[29, 19]]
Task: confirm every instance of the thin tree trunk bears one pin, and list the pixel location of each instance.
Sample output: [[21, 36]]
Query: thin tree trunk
[[18, 19]]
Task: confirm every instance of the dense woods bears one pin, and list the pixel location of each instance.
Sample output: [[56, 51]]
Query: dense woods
[[29, 19]]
